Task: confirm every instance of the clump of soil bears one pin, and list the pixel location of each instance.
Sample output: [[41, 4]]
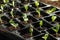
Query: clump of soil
[[55, 3]]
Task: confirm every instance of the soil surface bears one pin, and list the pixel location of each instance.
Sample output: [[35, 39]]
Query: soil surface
[[55, 3]]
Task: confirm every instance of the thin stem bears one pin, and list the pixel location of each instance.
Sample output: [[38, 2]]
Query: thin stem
[[56, 34]]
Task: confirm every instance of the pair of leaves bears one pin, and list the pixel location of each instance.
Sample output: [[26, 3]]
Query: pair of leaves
[[41, 23], [38, 11], [45, 36], [36, 3], [13, 23], [26, 7], [25, 17], [13, 3], [53, 18], [51, 10], [56, 29], [5, 1]]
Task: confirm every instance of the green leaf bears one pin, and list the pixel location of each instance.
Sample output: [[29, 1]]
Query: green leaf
[[12, 12], [45, 36], [31, 28], [13, 3], [5, 1], [36, 3], [25, 17], [41, 23], [56, 29], [38, 11], [13, 23], [53, 18], [51, 10], [26, 7], [2, 7]]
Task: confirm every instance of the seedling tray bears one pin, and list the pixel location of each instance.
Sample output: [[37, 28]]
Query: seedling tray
[[21, 32]]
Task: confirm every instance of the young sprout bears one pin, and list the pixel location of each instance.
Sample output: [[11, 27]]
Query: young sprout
[[26, 7], [53, 18], [31, 29], [1, 15], [12, 14], [5, 1], [37, 4], [51, 10], [2, 7], [45, 36], [13, 3], [41, 23], [38, 11], [25, 17], [15, 25], [56, 29]]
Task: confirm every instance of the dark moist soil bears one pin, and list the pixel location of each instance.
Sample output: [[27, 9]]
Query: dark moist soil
[[26, 34], [55, 3], [58, 13], [11, 28]]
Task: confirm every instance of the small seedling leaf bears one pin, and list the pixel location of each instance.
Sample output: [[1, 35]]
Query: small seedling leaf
[[41, 23], [26, 7], [25, 17], [13, 23], [45, 36], [57, 28], [51, 10], [5, 1], [36, 3], [53, 18]]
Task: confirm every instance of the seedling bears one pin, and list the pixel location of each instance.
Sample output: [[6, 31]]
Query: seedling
[[15, 25], [51, 10], [1, 15], [53, 18], [38, 11], [12, 13], [2, 7], [25, 17], [26, 7], [31, 29], [13, 3], [56, 29], [5, 1], [37, 4], [45, 36], [41, 23]]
